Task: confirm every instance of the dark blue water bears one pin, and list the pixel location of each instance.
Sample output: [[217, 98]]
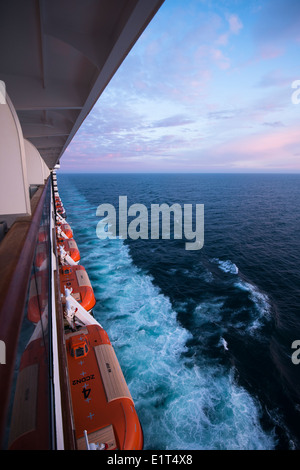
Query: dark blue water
[[203, 337]]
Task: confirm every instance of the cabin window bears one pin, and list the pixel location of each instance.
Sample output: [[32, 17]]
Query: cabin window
[[79, 352]]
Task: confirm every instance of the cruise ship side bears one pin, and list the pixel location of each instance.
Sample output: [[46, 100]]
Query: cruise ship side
[[61, 385]]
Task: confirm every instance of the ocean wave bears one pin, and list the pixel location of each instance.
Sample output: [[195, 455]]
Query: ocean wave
[[223, 343], [226, 266], [182, 404], [261, 303]]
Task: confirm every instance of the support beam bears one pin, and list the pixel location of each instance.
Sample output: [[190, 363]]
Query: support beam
[[42, 43]]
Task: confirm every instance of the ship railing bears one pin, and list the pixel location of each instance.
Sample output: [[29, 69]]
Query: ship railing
[[30, 310]]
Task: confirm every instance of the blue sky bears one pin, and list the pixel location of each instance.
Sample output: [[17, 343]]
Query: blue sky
[[207, 88]]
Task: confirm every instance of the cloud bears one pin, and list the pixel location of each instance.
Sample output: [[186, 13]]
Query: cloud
[[265, 146], [274, 124], [173, 121], [271, 151], [194, 93], [220, 59], [221, 114], [222, 40], [275, 78], [235, 24], [271, 51]]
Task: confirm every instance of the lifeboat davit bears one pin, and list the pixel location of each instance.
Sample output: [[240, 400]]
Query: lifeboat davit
[[104, 412], [71, 248], [60, 208], [76, 278], [59, 205], [66, 229], [61, 211]]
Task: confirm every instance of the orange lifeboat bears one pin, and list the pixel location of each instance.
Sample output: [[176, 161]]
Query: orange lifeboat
[[58, 201], [71, 248], [104, 412], [76, 278], [61, 211], [58, 205], [66, 229]]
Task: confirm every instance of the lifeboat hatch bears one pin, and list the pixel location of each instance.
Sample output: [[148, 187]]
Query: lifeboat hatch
[[102, 439], [66, 270], [79, 346]]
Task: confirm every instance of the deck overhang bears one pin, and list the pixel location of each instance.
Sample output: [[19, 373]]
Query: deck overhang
[[57, 56]]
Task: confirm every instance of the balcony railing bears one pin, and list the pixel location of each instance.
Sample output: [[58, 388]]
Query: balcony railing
[[27, 408]]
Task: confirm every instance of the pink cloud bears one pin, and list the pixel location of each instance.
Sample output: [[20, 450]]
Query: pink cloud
[[222, 40], [235, 24], [276, 148], [220, 59], [271, 51], [208, 54]]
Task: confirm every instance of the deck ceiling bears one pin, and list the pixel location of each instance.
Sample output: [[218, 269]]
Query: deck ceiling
[[57, 56]]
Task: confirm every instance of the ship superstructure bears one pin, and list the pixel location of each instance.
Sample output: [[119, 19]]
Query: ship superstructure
[[57, 56]]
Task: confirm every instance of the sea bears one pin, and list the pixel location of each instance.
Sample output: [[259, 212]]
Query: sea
[[204, 337]]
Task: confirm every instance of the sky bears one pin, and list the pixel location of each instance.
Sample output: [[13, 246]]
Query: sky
[[206, 88]]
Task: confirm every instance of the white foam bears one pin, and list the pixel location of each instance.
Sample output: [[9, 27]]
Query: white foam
[[224, 343], [227, 266], [188, 406], [183, 403], [261, 305]]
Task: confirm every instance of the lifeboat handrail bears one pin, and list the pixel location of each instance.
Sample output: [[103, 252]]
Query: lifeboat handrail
[[64, 257], [61, 233], [60, 219], [73, 308], [92, 445]]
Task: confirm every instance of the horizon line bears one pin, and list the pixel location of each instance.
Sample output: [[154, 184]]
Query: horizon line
[[181, 173]]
